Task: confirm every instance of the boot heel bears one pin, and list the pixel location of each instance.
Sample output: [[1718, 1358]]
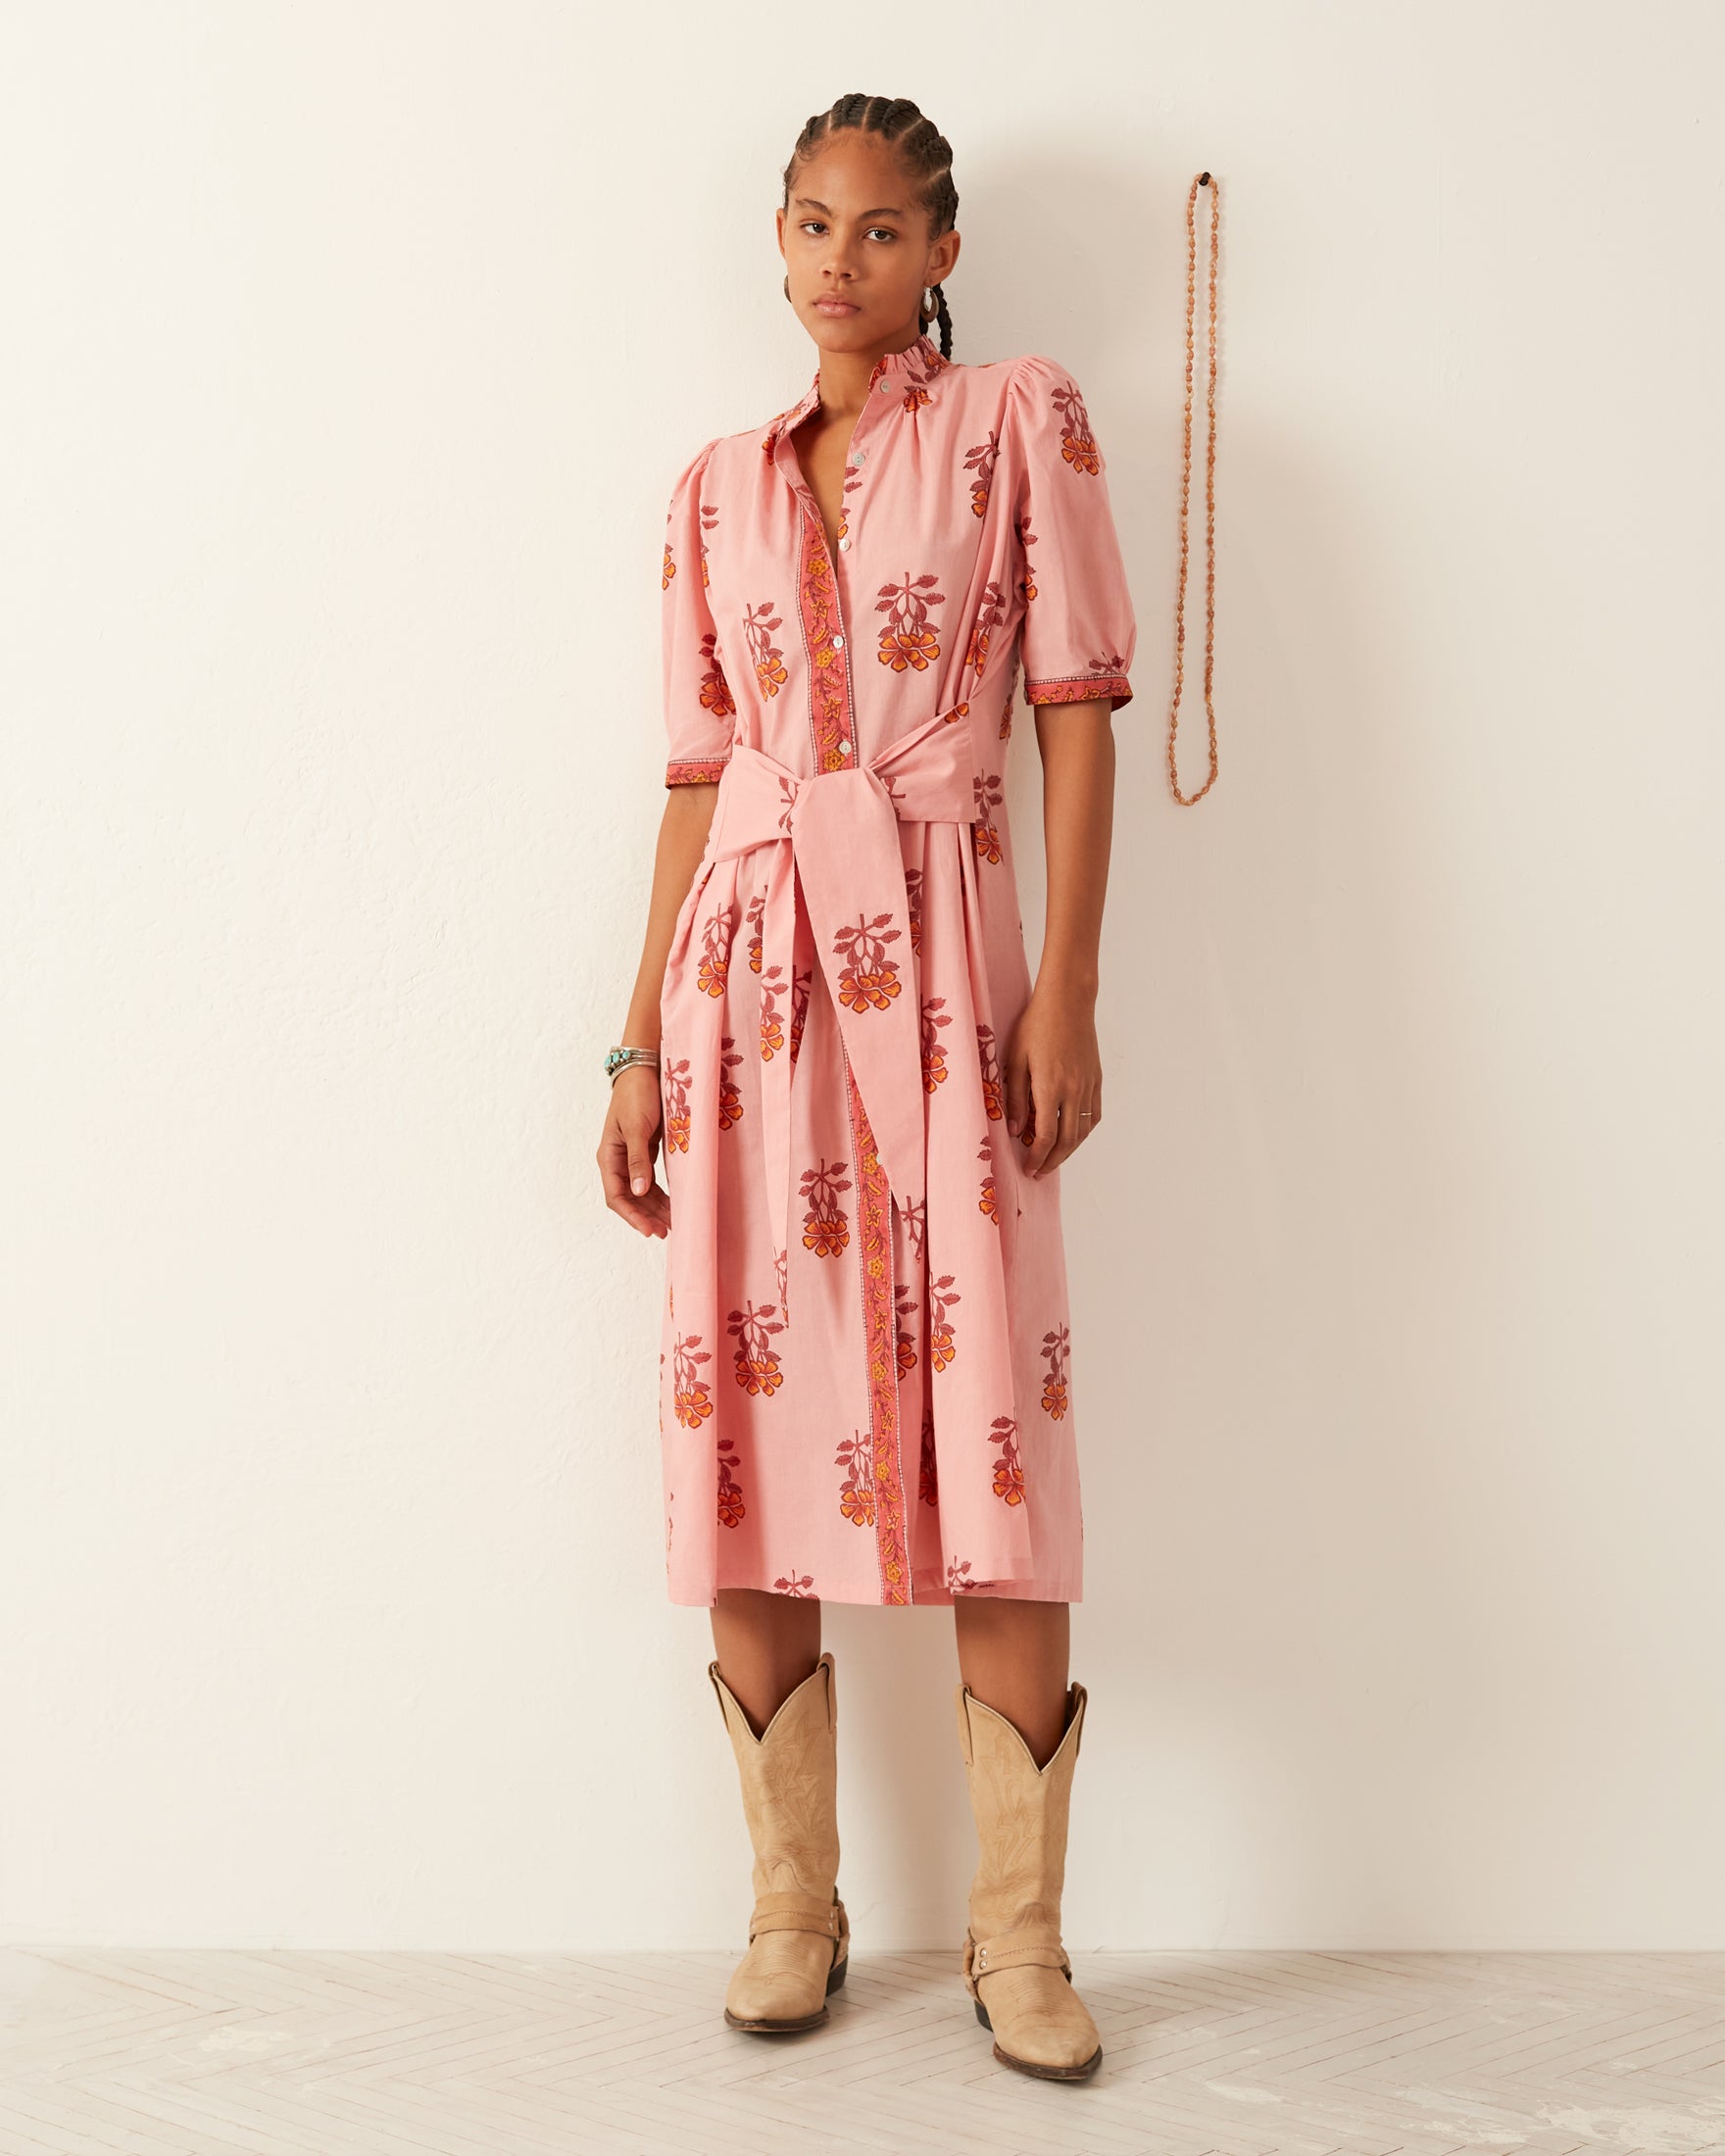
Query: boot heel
[[835, 1981], [982, 2016]]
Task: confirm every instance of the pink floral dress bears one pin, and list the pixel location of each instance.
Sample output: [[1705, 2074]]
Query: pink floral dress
[[866, 1387]]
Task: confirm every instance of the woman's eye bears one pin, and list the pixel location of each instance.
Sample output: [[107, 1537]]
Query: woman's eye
[[815, 224]]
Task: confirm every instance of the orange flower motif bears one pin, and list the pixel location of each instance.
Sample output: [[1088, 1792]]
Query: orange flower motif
[[856, 1494], [676, 1106], [825, 1230], [989, 1202], [907, 640], [934, 1056], [993, 1086], [1056, 1348], [902, 647], [768, 661], [689, 1394], [715, 951], [989, 795], [731, 1507], [756, 1364], [730, 1101], [869, 980], [716, 690], [1009, 1472], [943, 1347], [1077, 442]]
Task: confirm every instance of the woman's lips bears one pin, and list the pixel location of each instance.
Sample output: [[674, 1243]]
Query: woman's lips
[[836, 306]]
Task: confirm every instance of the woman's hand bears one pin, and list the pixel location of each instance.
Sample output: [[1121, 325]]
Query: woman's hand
[[1053, 1070], [627, 1147]]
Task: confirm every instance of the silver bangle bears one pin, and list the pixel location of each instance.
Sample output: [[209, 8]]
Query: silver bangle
[[624, 1059]]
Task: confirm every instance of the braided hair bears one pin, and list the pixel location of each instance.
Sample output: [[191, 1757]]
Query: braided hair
[[925, 152]]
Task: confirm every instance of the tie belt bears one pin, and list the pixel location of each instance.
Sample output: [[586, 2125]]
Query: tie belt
[[837, 862]]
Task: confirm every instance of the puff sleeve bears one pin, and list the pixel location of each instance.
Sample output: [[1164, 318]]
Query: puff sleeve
[[699, 707], [1078, 630]]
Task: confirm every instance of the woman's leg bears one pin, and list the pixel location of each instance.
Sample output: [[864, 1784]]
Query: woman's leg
[[765, 1645], [1012, 1654]]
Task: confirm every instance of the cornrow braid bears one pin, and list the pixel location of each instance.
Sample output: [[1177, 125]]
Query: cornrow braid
[[926, 153]]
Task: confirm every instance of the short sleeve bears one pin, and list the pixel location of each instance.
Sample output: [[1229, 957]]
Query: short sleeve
[[1079, 630], [699, 707]]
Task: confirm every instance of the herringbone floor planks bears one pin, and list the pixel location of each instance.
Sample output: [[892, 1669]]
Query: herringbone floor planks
[[1205, 2054]]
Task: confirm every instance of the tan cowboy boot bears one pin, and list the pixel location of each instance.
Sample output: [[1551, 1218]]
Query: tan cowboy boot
[[799, 1936], [1016, 1967]]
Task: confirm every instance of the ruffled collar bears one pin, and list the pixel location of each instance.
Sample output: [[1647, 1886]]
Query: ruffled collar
[[916, 363]]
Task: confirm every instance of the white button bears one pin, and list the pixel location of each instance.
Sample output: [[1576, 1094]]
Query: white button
[[843, 747], [838, 643], [845, 544], [861, 458]]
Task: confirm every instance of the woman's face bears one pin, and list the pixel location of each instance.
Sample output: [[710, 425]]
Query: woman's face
[[856, 248]]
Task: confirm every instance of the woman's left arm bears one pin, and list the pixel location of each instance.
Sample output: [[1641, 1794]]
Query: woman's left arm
[[1051, 1066]]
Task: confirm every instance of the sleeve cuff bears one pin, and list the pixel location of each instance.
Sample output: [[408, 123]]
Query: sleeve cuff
[[1078, 688], [694, 770]]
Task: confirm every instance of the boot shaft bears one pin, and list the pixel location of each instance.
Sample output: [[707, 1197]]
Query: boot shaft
[[1021, 1813], [789, 1775]]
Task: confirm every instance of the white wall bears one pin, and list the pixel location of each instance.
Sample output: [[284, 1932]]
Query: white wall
[[350, 353]]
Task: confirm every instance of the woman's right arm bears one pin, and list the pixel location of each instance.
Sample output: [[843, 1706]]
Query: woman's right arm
[[630, 1137]]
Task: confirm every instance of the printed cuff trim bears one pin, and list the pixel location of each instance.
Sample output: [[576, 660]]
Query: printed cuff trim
[[692, 771], [1079, 689]]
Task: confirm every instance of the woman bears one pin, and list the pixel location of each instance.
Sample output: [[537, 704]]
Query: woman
[[865, 1382]]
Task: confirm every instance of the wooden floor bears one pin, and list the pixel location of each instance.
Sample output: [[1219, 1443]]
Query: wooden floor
[[1205, 2054]]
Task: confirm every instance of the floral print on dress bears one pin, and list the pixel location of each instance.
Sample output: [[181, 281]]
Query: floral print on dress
[[730, 1100], [1077, 442], [993, 1084], [988, 1201], [756, 1364], [908, 639], [1056, 1348], [934, 1056], [731, 1508], [943, 1340], [716, 952], [980, 460], [989, 795], [857, 1491], [716, 690], [800, 988], [770, 661], [989, 616], [773, 1037], [871, 979], [1008, 1471], [905, 1305], [825, 1229], [677, 1081], [693, 1403]]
